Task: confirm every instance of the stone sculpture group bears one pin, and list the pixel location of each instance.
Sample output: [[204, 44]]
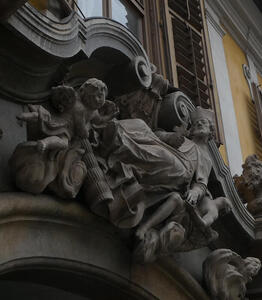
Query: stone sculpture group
[[126, 168], [152, 181]]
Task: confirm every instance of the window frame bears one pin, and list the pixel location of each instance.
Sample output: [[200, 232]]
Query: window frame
[[171, 63], [133, 4]]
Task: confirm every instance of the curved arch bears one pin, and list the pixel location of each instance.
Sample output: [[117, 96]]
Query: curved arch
[[78, 278], [71, 35], [102, 32]]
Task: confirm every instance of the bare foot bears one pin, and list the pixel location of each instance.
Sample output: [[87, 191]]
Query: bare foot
[[147, 249], [141, 231]]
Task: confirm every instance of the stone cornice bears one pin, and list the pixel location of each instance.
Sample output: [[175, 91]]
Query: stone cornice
[[243, 22], [52, 47]]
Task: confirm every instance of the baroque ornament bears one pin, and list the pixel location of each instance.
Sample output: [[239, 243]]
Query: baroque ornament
[[226, 274], [249, 184], [136, 175]]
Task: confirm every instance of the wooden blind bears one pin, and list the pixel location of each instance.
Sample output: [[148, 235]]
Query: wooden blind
[[257, 95], [189, 43], [255, 116]]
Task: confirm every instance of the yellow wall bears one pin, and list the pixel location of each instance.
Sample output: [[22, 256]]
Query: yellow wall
[[244, 108], [259, 79], [39, 4]]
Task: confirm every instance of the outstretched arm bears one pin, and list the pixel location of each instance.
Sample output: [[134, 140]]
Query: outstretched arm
[[36, 113]]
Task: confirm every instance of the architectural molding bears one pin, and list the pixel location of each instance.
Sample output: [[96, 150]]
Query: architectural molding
[[224, 92], [241, 20], [212, 19], [222, 174], [53, 47]]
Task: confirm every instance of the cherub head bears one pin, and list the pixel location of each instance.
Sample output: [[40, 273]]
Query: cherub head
[[63, 98], [93, 93], [252, 267]]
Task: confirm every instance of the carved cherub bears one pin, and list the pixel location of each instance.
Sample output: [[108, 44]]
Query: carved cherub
[[56, 130], [62, 140], [209, 209], [73, 114], [93, 94]]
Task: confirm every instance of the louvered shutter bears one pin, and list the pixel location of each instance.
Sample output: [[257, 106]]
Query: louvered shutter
[[257, 96], [192, 68]]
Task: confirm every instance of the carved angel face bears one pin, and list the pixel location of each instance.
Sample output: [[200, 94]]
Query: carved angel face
[[63, 98], [97, 99], [93, 93]]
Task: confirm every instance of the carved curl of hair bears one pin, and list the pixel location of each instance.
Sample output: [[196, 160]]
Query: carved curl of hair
[[226, 274], [252, 160], [62, 95], [91, 85]]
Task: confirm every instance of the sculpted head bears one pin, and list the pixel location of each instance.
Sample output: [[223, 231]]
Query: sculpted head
[[93, 93], [252, 172], [252, 267], [202, 123], [63, 98], [226, 274]]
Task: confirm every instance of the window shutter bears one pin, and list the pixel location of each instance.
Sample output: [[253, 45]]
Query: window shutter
[[187, 25], [257, 96]]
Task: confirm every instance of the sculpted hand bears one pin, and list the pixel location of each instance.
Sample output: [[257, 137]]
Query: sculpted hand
[[109, 109], [192, 197]]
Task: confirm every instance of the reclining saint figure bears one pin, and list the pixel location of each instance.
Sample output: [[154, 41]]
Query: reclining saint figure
[[160, 183], [155, 183]]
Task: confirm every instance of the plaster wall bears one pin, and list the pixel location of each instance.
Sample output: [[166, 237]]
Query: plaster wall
[[244, 108], [259, 77], [232, 143], [39, 4]]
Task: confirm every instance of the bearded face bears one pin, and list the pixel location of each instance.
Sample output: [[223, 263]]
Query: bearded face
[[201, 128]]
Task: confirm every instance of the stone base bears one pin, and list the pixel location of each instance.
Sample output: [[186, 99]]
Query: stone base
[[47, 242]]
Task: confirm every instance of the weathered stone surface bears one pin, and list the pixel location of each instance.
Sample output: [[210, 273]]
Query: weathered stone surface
[[226, 274], [249, 184], [129, 175], [46, 228]]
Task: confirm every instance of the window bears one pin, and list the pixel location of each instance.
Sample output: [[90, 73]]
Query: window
[[189, 44], [187, 63], [91, 8], [128, 13], [127, 16]]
